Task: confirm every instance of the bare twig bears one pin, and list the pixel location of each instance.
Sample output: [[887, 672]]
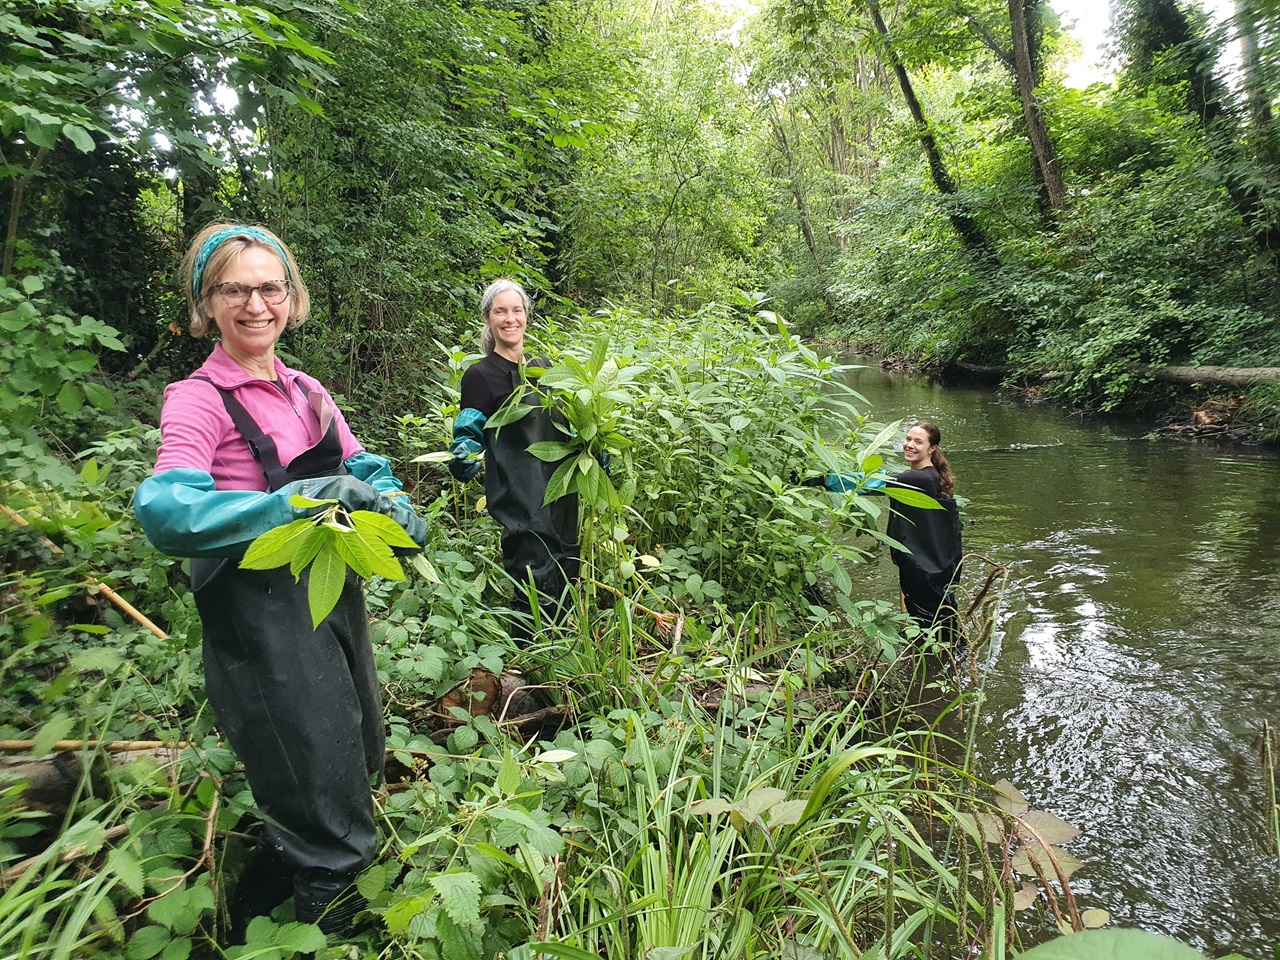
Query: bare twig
[[73, 852]]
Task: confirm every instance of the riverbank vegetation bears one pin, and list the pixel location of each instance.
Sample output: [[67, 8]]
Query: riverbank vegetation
[[730, 758]]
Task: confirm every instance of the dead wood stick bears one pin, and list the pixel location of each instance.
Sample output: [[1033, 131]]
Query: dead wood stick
[[93, 582], [73, 852], [110, 746]]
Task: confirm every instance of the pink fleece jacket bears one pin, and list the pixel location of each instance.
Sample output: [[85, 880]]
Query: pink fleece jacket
[[197, 432]]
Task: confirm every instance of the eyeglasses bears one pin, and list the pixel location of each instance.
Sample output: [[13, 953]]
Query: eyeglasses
[[238, 294]]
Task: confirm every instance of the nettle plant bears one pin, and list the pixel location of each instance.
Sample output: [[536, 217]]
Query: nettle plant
[[330, 542]]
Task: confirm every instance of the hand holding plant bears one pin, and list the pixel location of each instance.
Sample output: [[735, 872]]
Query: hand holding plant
[[329, 542]]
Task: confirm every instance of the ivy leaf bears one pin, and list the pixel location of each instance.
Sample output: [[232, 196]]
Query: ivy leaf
[[328, 575], [459, 895], [276, 547]]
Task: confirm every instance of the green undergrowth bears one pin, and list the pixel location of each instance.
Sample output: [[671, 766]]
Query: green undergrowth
[[738, 769]]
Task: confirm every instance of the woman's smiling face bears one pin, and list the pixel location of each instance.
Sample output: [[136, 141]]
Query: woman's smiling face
[[917, 449], [250, 330], [507, 320]]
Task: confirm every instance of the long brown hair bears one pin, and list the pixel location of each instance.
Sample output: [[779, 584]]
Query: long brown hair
[[937, 457]]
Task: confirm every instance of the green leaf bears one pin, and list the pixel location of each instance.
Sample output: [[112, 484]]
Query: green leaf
[[99, 396], [101, 659], [558, 485], [328, 575], [912, 497], [177, 949], [313, 541], [549, 451], [425, 569], [276, 547], [147, 943], [459, 943], [80, 137], [70, 398], [508, 774], [385, 528], [355, 551], [307, 503], [459, 895], [32, 285], [1111, 944], [54, 730], [599, 350], [122, 862]]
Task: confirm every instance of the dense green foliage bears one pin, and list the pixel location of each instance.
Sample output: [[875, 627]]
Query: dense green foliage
[[920, 179], [1161, 249]]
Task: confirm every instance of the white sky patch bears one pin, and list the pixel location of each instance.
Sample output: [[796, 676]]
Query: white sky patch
[[1092, 20]]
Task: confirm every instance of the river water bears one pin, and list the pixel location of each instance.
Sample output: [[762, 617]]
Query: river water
[[1139, 653]]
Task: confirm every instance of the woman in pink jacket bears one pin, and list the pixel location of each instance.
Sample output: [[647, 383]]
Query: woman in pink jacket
[[301, 706]]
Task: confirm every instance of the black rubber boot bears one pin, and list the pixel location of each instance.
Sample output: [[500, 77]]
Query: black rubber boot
[[265, 883], [327, 899]]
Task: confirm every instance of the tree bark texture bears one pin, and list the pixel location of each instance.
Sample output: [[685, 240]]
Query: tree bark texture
[[971, 233], [1037, 132]]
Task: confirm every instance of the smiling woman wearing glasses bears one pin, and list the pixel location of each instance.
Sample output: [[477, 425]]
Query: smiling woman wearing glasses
[[301, 706]]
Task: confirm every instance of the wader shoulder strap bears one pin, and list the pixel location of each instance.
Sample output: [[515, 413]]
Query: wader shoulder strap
[[261, 446]]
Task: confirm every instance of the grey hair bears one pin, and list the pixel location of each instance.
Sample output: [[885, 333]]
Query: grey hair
[[491, 293]]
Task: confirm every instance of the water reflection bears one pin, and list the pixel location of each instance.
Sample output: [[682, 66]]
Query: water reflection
[[1141, 649]]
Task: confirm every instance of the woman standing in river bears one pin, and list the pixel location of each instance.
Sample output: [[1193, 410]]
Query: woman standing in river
[[927, 568]]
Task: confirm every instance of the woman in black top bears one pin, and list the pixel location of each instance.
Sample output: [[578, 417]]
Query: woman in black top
[[932, 537], [538, 541]]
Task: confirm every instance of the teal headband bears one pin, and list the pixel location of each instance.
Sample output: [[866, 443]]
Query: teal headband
[[215, 240]]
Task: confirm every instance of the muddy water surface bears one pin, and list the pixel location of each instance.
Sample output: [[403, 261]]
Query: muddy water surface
[[1140, 650]]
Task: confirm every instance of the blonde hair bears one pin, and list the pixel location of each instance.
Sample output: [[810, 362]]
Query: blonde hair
[[217, 262]]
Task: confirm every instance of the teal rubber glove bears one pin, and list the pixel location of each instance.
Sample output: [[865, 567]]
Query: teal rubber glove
[[465, 465], [376, 471], [855, 482], [468, 443], [185, 515]]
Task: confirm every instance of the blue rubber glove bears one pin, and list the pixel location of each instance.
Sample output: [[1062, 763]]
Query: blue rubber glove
[[185, 515], [855, 482], [464, 466], [376, 471], [606, 461], [849, 483], [468, 441]]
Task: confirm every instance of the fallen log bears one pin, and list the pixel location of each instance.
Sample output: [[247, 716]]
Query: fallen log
[[1210, 376]]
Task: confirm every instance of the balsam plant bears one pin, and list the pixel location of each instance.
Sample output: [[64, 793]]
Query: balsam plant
[[330, 542]]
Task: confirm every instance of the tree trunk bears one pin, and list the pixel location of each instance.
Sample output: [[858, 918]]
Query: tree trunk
[[971, 233], [802, 208], [1037, 133]]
